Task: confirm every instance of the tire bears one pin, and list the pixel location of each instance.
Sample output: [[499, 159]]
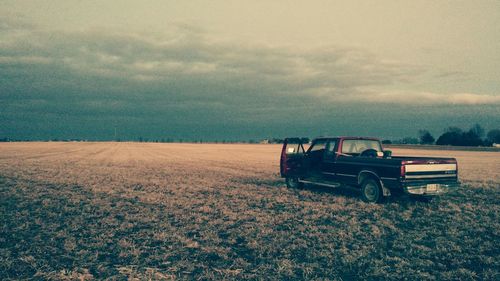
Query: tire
[[293, 182], [371, 192]]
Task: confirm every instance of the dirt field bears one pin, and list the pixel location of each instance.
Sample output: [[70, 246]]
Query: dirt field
[[215, 211]]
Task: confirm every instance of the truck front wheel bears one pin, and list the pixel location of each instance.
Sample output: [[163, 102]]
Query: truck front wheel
[[293, 182], [371, 191]]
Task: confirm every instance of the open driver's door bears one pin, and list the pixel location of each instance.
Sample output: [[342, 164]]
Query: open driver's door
[[292, 156]]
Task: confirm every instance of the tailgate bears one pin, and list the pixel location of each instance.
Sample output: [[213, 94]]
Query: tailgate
[[435, 169]]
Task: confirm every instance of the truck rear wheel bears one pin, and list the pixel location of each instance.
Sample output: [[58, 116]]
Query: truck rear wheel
[[293, 182], [371, 191]]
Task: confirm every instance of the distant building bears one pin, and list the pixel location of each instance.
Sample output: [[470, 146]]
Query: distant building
[[265, 141]]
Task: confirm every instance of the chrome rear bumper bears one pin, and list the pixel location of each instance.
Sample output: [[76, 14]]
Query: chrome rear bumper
[[431, 188]]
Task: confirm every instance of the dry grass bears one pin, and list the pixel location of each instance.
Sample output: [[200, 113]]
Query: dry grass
[[191, 211]]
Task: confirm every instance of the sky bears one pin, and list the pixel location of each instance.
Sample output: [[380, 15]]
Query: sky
[[239, 70]]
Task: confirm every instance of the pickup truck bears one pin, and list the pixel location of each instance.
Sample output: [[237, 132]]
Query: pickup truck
[[363, 163]]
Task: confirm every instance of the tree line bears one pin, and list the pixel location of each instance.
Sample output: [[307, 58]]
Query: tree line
[[455, 136]]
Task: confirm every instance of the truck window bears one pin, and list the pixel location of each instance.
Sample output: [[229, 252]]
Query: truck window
[[318, 145], [355, 147], [294, 148], [316, 153], [330, 151]]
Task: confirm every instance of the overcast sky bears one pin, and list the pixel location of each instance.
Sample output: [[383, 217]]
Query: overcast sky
[[246, 69]]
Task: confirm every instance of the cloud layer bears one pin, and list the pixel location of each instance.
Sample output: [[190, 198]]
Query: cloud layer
[[188, 78], [185, 55]]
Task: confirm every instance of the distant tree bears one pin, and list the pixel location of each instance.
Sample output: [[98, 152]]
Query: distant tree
[[472, 137], [386, 142], [455, 136], [409, 140], [276, 140], [453, 130], [493, 136], [477, 130], [451, 136], [425, 137]]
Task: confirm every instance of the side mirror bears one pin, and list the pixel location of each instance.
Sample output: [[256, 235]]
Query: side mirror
[[387, 153]]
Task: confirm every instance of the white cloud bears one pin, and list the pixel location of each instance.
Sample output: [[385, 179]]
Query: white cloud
[[468, 98], [185, 63], [424, 98]]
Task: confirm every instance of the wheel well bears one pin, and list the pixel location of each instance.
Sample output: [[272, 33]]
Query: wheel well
[[363, 175], [366, 174]]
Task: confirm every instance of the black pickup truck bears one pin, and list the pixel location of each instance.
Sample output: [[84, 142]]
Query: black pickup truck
[[363, 163]]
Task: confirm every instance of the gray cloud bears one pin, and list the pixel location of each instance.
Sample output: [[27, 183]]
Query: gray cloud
[[185, 54], [187, 79]]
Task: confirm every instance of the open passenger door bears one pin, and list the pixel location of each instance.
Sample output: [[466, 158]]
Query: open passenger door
[[292, 155]]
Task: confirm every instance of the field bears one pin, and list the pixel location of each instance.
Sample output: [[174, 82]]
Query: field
[[221, 211]]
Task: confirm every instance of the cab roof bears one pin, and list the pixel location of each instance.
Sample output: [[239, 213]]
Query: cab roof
[[347, 138]]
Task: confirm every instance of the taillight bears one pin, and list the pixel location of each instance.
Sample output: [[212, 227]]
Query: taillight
[[403, 170]]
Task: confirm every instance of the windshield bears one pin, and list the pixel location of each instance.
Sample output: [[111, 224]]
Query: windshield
[[358, 146]]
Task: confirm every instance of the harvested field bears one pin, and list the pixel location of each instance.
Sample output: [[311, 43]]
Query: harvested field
[[220, 211]]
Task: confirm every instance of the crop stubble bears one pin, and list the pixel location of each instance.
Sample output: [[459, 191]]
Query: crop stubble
[[189, 211]]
